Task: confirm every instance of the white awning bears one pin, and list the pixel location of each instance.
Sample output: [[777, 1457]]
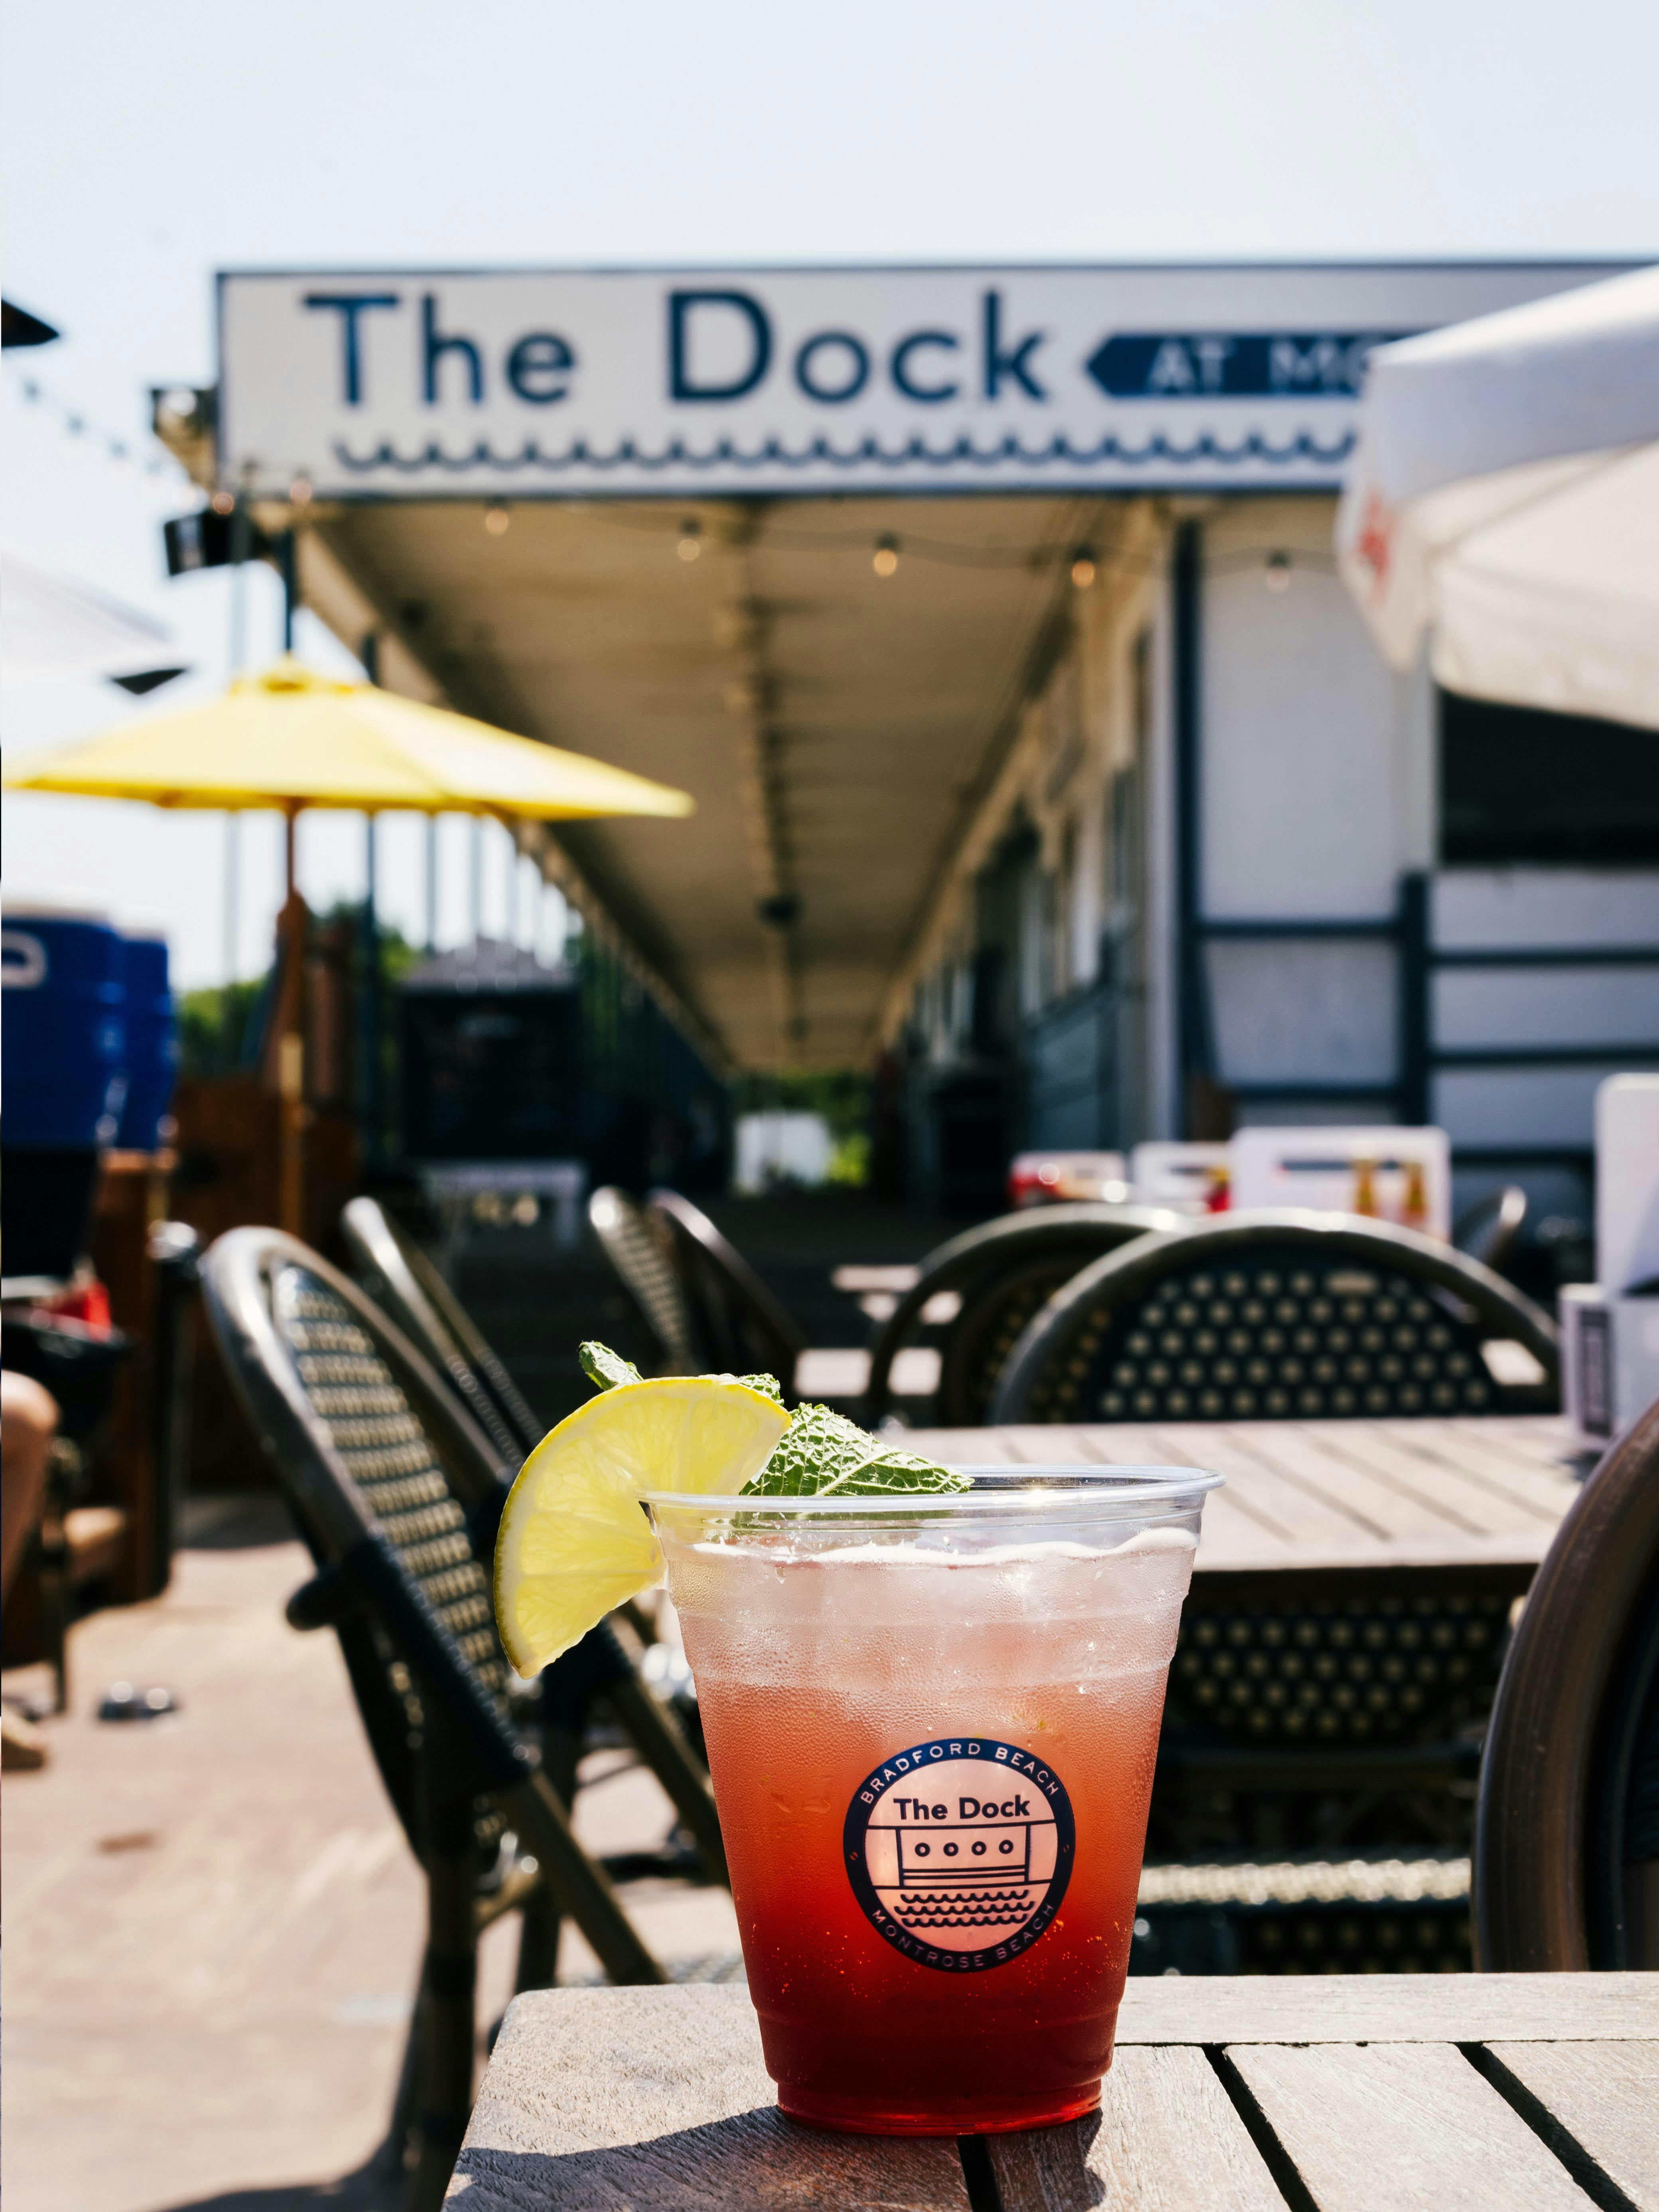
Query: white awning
[[1505, 497], [55, 630]]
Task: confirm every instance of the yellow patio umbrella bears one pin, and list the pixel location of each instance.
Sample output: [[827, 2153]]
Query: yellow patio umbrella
[[290, 738]]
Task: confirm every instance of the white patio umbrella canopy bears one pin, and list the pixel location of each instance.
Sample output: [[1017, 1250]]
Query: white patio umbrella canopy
[[53, 629], [1504, 496]]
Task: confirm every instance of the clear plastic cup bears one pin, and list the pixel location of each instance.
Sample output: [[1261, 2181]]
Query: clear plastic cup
[[932, 1724]]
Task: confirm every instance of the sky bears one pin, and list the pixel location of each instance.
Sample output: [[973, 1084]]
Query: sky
[[144, 149]]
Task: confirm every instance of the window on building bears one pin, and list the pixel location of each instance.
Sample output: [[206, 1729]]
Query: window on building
[[1517, 784]]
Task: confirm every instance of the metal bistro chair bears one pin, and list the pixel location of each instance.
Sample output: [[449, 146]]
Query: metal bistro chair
[[398, 1494], [640, 1256], [406, 1285], [1307, 1712], [1002, 1274], [1282, 1315], [1489, 1230], [1566, 1856], [742, 1327], [608, 1663]]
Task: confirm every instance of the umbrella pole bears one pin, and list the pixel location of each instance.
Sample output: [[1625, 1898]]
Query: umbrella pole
[[291, 1049]]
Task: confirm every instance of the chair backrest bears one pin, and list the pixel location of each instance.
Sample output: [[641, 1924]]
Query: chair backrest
[[639, 1251], [407, 1287], [395, 1491], [1281, 1315], [1002, 1271], [1567, 1852], [743, 1329], [1489, 1230]]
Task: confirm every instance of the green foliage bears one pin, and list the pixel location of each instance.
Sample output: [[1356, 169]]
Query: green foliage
[[605, 1369], [213, 1027], [840, 1095], [822, 1454]]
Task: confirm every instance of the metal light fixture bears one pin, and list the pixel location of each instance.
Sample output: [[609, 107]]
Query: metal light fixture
[[1278, 577], [497, 519], [886, 561], [690, 543]]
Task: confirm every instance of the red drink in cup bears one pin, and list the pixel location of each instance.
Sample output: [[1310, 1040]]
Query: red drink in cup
[[932, 1724]]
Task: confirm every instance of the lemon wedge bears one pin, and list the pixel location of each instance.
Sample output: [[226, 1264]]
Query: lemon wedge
[[574, 1539]]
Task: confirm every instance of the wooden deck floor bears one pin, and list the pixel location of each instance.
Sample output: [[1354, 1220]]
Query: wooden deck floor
[[212, 1923]]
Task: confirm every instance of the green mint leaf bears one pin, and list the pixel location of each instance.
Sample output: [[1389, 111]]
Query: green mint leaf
[[767, 1385], [605, 1369], [822, 1453]]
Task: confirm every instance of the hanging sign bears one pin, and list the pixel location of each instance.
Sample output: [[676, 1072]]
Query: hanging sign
[[541, 384]]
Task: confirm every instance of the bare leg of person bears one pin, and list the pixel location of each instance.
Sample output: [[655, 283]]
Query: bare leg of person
[[28, 1421]]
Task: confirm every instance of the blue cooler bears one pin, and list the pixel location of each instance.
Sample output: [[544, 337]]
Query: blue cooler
[[152, 1039], [62, 1078]]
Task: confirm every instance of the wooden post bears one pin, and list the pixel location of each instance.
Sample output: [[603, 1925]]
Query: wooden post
[[290, 1031]]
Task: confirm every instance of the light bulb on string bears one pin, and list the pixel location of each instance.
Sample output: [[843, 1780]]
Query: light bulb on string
[[885, 562], [1083, 567], [691, 541], [497, 519], [1278, 577]]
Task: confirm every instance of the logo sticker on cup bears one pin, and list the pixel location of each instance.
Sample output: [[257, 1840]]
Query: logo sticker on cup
[[959, 1851]]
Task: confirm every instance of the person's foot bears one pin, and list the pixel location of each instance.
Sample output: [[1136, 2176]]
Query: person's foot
[[23, 1749]]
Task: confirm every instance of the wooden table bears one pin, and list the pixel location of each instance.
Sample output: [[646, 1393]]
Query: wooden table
[[1332, 1494], [1475, 2092]]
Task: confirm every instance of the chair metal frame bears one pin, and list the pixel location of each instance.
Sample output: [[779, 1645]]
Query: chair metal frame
[[642, 1260], [980, 1259], [1567, 1852], [407, 1285], [745, 1329], [458, 1745], [1126, 1277], [1487, 1231]]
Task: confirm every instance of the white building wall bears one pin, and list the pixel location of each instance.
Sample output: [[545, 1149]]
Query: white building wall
[[1301, 728]]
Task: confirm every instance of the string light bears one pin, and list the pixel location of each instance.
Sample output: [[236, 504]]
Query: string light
[[690, 543], [1083, 567], [497, 519], [223, 502], [299, 491], [886, 561], [77, 424], [1278, 577]]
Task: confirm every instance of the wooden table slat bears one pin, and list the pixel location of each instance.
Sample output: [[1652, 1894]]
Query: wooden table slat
[[1495, 1462], [1306, 1510], [1218, 2008], [1438, 1481], [657, 2101], [658, 2098], [1335, 1495], [1166, 2139], [1391, 2128], [1603, 2097], [1388, 1510]]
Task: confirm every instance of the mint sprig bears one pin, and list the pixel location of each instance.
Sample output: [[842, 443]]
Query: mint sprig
[[607, 1371], [822, 1454]]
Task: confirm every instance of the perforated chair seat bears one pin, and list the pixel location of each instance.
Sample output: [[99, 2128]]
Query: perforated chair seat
[[639, 1251], [1002, 1272], [403, 1282], [740, 1328], [1280, 1317]]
